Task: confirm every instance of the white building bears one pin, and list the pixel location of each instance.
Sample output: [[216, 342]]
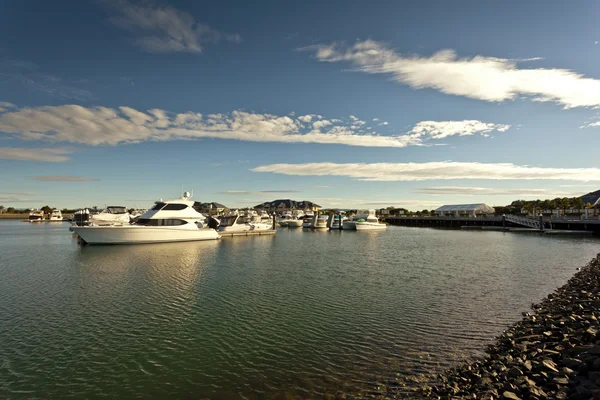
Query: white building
[[471, 210]]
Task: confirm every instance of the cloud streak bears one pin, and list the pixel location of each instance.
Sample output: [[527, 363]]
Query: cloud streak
[[64, 179], [109, 126], [261, 192], [471, 191], [432, 170], [166, 29], [34, 154], [482, 78]]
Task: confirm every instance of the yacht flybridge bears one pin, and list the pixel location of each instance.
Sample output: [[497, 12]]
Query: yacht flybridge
[[168, 221]]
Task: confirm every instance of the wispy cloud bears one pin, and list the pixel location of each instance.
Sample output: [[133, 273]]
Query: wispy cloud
[[34, 154], [480, 77], [432, 170], [471, 191], [165, 29], [591, 125], [127, 80], [320, 187], [260, 193], [30, 76], [16, 197], [64, 178], [4, 106], [108, 126]]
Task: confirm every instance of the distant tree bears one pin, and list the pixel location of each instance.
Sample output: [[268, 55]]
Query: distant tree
[[10, 210], [47, 209], [1, 209], [577, 203]]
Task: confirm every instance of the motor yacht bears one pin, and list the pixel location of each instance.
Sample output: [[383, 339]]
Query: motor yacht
[[261, 222], [298, 219], [168, 221], [370, 223], [285, 217], [36, 216], [56, 216], [320, 222], [234, 222], [338, 222]]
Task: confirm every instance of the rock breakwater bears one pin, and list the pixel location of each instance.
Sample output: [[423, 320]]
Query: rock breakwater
[[552, 353]]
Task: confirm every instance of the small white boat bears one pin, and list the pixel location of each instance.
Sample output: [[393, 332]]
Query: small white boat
[[112, 215], [285, 217], [168, 221], [262, 222], [36, 216], [337, 221], [234, 222], [56, 216], [320, 222], [371, 223]]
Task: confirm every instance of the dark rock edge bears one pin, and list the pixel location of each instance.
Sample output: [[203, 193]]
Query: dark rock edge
[[552, 353]]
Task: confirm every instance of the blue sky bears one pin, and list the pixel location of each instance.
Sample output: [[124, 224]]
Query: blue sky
[[348, 104]]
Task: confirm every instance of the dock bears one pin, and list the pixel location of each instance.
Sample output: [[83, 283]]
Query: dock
[[270, 232], [502, 223]]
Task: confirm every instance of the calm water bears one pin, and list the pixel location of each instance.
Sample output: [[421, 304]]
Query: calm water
[[300, 314]]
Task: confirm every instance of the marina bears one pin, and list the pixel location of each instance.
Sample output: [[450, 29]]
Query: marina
[[335, 312]]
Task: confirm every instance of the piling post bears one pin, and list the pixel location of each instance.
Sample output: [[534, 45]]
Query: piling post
[[340, 222], [274, 220], [541, 222], [503, 221]]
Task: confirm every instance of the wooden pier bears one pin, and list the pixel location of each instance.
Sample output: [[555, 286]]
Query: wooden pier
[[270, 232], [499, 223]]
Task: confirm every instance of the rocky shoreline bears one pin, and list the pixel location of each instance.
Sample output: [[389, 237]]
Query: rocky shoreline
[[552, 353]]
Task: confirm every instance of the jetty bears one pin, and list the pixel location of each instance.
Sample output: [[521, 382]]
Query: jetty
[[269, 232], [501, 222]]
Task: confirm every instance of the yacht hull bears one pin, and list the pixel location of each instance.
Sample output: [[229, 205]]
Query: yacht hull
[[296, 223], [370, 226], [349, 225], [141, 234], [283, 223]]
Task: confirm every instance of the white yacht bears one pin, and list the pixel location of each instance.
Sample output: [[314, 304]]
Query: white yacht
[[370, 223], [320, 222], [298, 220], [234, 222], [168, 221], [56, 216], [261, 222], [338, 220], [36, 215], [285, 217]]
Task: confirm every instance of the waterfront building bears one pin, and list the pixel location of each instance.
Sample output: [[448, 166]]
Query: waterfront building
[[465, 210], [592, 198]]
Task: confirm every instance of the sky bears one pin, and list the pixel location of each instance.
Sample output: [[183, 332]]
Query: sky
[[348, 104]]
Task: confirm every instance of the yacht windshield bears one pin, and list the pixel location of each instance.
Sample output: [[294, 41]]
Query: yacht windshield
[[116, 210], [158, 206]]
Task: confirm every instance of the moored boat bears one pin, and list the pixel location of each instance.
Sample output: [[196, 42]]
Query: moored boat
[[36, 215], [168, 221], [56, 216], [371, 223]]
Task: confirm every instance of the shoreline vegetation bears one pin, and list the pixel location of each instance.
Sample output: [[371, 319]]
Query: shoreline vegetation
[[553, 352]]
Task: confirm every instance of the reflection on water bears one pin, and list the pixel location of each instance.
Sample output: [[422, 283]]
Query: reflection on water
[[302, 313]]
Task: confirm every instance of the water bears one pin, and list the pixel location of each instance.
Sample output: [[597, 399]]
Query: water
[[300, 314]]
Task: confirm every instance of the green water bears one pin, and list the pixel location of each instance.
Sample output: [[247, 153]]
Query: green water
[[302, 314]]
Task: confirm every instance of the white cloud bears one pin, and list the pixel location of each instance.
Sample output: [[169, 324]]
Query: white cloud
[[166, 29], [108, 126], [383, 123], [470, 191], [4, 106], [257, 193], [67, 178], [34, 154], [432, 170], [375, 119], [480, 77], [443, 129], [320, 187], [321, 124], [591, 125], [306, 118]]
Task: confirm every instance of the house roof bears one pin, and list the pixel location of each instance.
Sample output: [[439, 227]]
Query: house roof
[[593, 198], [480, 207]]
